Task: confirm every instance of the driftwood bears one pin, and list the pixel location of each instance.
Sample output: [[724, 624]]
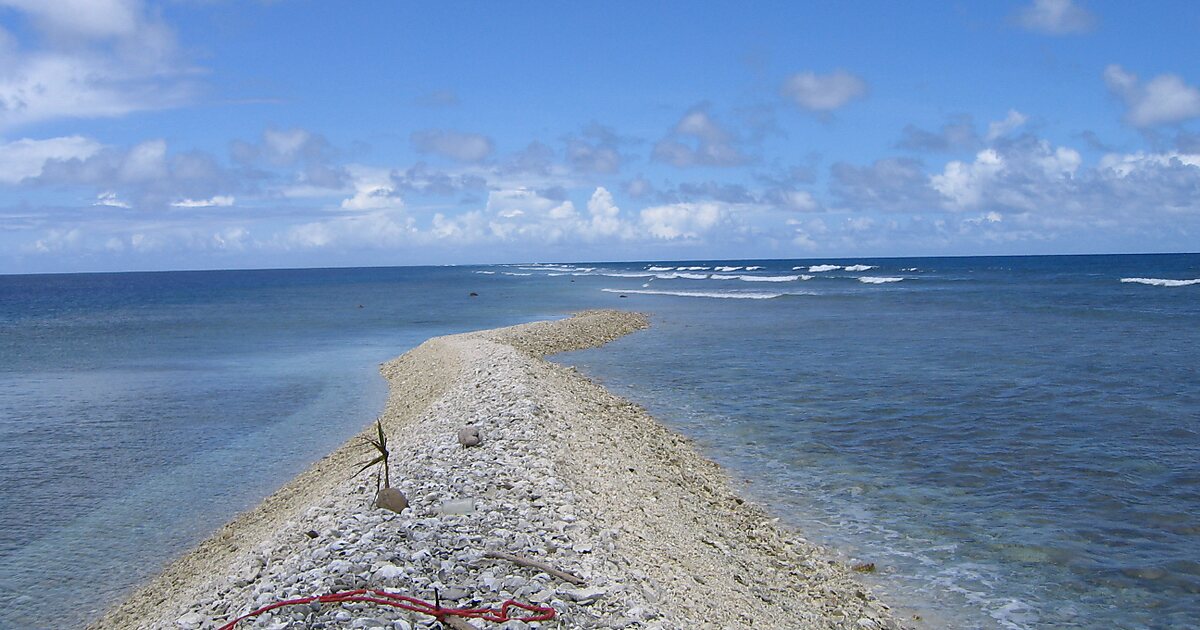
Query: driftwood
[[536, 564]]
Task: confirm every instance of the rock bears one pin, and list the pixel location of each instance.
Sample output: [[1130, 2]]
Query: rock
[[388, 572], [391, 499], [585, 595], [457, 507], [469, 436], [190, 621]]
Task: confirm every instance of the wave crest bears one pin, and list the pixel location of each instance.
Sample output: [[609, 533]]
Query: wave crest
[[1162, 282]]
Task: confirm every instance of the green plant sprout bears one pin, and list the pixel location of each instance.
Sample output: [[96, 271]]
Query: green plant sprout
[[380, 445]]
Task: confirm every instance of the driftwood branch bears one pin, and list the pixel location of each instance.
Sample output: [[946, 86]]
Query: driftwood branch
[[536, 564]]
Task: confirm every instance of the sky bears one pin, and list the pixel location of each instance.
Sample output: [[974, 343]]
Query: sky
[[209, 134]]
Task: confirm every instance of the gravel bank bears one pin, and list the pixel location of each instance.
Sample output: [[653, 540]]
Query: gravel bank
[[567, 473]]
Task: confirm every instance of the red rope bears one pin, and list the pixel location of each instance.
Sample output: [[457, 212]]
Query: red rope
[[500, 615]]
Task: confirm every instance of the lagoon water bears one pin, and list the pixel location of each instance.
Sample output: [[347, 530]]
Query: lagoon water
[[1014, 442]]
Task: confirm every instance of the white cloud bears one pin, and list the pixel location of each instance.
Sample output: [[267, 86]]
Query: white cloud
[[145, 162], [109, 199], [373, 190], [698, 140], [605, 216], [221, 201], [823, 92], [1011, 122], [1165, 99], [1024, 177], [92, 19], [687, 221], [380, 229], [1056, 17], [1125, 165], [457, 145], [800, 201], [93, 59], [26, 158]]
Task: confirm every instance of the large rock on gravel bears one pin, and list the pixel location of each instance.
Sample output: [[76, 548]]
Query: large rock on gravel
[[469, 436], [391, 499]]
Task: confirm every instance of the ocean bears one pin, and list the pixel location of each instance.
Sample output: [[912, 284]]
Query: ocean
[[1012, 441]]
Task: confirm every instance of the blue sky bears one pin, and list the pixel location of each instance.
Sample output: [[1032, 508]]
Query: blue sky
[[210, 134]]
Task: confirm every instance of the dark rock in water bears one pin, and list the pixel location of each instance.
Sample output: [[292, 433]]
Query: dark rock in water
[[391, 499], [469, 436], [623, 295], [866, 567], [474, 294]]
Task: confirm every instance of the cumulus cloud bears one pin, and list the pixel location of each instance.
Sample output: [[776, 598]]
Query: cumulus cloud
[[1165, 99], [374, 189], [682, 221], [1012, 121], [596, 150], [218, 201], [26, 158], [1031, 175], [823, 93], [887, 185], [86, 58], [605, 220], [298, 148], [456, 145], [698, 140], [421, 178], [146, 175], [1056, 17]]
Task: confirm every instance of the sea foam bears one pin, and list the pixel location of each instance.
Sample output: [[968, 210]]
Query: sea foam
[[821, 268], [861, 267], [747, 295], [769, 278], [1162, 282], [878, 280]]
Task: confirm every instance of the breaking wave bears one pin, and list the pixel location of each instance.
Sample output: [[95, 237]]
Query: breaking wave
[[878, 280], [1162, 282]]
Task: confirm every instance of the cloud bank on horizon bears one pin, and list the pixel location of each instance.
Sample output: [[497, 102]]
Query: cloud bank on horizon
[[139, 135]]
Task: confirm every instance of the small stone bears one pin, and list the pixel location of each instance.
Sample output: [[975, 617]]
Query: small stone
[[342, 616], [455, 594], [190, 621], [391, 499], [542, 596], [469, 436]]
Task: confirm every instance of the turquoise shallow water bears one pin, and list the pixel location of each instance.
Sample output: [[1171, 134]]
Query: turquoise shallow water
[[1013, 441]]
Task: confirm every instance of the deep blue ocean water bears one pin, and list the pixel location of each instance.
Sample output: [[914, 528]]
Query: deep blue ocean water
[[1014, 442]]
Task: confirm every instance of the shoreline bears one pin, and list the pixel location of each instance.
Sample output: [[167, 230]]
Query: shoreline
[[568, 473]]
